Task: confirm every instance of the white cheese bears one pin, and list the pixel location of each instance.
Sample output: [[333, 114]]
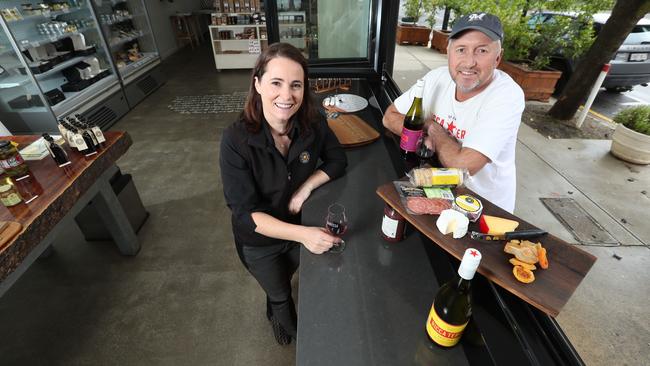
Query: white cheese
[[452, 221]]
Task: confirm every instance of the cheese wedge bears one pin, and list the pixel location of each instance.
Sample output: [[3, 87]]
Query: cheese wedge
[[452, 221], [493, 225]]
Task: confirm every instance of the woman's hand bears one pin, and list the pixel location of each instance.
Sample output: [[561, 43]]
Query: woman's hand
[[298, 198], [317, 240]]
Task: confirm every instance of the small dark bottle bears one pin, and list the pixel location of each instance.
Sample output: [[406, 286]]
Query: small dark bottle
[[81, 124], [79, 140], [58, 154]]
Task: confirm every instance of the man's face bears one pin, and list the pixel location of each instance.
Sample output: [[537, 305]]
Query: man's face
[[472, 59]]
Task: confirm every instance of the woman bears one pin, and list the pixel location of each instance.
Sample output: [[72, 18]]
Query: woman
[[269, 167]]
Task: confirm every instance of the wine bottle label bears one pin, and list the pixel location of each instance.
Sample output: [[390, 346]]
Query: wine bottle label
[[79, 142], [389, 227], [442, 333], [98, 134], [409, 139]]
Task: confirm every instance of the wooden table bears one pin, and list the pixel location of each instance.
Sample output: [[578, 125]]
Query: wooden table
[[61, 194], [552, 287]]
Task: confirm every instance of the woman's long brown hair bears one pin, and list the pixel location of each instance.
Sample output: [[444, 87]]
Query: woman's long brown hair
[[252, 115]]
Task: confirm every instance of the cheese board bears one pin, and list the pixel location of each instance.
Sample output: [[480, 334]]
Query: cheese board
[[568, 265]]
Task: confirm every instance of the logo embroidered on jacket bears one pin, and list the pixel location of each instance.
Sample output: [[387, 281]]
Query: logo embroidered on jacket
[[304, 157]]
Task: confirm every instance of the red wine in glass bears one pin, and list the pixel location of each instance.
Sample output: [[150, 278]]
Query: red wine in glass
[[336, 223]]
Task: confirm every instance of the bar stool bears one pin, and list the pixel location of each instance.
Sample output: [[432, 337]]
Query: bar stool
[[184, 29]]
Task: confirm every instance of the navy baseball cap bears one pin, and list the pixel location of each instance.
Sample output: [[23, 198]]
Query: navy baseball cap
[[489, 24]]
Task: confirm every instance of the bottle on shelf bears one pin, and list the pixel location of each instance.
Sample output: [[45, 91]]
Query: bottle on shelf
[[412, 129], [58, 154], [452, 306]]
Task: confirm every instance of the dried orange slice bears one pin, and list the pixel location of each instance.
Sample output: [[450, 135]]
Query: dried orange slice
[[541, 255], [517, 262], [523, 275]]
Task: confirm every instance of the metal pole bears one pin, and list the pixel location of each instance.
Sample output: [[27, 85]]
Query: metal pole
[[592, 95]]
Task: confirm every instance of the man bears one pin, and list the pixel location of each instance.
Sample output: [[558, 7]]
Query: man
[[476, 109]]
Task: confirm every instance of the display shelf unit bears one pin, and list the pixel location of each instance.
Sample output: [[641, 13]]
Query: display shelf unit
[[234, 53], [135, 55], [293, 28]]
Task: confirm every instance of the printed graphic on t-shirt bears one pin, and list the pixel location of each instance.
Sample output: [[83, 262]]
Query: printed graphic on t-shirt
[[451, 126]]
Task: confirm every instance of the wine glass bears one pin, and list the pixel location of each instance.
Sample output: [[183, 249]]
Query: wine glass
[[336, 223]]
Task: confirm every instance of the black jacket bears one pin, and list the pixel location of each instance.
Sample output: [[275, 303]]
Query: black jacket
[[257, 178]]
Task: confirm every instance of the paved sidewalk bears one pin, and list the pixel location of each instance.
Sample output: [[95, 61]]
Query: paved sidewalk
[[606, 319]]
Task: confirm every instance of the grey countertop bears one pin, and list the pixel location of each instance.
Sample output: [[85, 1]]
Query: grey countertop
[[369, 304]]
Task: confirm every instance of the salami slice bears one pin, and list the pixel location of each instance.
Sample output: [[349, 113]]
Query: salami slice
[[429, 206]]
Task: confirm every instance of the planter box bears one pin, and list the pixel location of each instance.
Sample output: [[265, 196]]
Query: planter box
[[413, 34], [439, 40], [630, 146], [537, 84]]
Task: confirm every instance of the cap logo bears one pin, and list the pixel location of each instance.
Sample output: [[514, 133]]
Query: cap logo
[[475, 17]]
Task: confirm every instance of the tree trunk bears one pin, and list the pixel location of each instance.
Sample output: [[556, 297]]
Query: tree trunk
[[625, 15]]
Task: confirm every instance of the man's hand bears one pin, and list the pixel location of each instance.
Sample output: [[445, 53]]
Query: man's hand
[[317, 240], [450, 152]]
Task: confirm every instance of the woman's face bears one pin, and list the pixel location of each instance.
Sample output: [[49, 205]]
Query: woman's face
[[281, 89]]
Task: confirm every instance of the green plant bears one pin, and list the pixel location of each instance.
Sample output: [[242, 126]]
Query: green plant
[[635, 118], [413, 9], [430, 7]]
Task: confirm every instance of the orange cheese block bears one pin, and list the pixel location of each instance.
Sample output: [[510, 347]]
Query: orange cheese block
[[493, 225]]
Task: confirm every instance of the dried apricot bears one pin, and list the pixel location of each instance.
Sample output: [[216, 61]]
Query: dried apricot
[[541, 255], [517, 262], [523, 275]]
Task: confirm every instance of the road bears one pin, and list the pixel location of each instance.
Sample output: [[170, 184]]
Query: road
[[608, 104]]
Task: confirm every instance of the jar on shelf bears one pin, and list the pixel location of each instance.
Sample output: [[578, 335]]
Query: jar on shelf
[[11, 160]]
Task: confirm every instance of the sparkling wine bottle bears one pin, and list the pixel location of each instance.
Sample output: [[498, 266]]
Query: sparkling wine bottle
[[452, 306]]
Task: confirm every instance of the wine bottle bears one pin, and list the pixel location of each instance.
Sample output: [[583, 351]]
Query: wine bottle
[[58, 154], [452, 306], [412, 129]]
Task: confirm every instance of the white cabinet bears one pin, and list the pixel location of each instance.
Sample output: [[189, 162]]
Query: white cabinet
[[237, 46]]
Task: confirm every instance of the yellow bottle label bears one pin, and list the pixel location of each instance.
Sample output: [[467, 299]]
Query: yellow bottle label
[[444, 334]]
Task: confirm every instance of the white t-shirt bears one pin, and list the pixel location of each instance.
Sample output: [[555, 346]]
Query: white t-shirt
[[487, 122]]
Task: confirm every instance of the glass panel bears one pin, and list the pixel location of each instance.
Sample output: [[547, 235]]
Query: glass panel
[[126, 28], [20, 99], [62, 45], [331, 29]]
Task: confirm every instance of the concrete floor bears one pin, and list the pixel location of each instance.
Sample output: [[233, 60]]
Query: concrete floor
[[186, 300]]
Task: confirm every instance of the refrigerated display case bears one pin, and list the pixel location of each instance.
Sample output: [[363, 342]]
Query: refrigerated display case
[[59, 48], [127, 31]]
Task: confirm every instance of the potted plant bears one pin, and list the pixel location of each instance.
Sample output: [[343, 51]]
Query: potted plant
[[439, 37], [631, 139], [412, 33]]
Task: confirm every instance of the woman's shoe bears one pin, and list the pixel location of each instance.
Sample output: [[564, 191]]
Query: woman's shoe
[[280, 334]]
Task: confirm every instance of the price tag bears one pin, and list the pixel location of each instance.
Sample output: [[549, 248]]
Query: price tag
[[99, 134], [254, 46]]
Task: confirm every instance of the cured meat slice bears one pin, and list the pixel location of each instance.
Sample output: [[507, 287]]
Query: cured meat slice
[[429, 206]]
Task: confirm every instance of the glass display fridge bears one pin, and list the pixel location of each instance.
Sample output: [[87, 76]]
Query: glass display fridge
[[350, 47], [127, 31], [60, 60]]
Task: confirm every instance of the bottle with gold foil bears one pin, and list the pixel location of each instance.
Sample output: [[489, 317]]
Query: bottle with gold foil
[[9, 196], [11, 160], [452, 306]]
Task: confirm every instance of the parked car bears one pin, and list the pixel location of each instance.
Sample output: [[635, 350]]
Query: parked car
[[630, 65]]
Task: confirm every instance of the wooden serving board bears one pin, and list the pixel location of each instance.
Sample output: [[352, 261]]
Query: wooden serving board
[[8, 229], [352, 131], [552, 287]]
